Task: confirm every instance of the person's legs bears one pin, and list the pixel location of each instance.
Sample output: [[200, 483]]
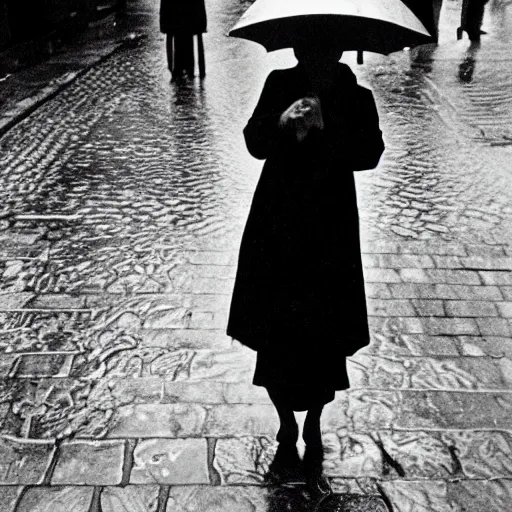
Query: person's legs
[[169, 44], [311, 433], [286, 464], [314, 454], [475, 17], [437, 6], [178, 63], [288, 433], [200, 56], [188, 55]]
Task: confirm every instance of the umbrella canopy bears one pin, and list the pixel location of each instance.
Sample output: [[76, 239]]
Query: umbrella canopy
[[380, 26]]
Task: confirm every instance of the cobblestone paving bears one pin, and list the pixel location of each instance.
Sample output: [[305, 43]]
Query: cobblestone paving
[[119, 390]]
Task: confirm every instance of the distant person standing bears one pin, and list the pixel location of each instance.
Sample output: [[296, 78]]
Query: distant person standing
[[181, 20], [472, 19], [427, 11]]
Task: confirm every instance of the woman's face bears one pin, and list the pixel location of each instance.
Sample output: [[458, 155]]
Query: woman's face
[[316, 55]]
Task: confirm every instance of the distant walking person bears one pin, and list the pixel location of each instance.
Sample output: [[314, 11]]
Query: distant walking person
[[181, 20], [472, 19]]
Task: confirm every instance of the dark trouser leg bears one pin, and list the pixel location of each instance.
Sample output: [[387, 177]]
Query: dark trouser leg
[[438, 5], [183, 54], [475, 18], [188, 55], [169, 44], [178, 67], [200, 55]]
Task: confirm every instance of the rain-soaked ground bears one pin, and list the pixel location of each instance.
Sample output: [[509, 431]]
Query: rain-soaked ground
[[124, 199], [142, 163]]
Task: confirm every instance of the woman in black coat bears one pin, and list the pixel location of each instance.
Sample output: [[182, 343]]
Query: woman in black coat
[[180, 20], [299, 297]]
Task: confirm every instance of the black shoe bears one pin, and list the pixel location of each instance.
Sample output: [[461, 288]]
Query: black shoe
[[286, 466], [316, 482], [474, 34], [318, 486]]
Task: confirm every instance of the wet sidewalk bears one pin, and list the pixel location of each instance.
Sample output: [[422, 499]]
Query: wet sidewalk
[[119, 390], [25, 86]]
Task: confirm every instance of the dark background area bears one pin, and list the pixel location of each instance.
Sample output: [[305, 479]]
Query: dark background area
[[36, 27]]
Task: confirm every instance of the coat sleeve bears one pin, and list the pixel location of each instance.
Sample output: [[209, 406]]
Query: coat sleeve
[[360, 147], [263, 136]]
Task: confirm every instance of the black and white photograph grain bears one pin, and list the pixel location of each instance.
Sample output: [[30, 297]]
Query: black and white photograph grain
[[255, 255]]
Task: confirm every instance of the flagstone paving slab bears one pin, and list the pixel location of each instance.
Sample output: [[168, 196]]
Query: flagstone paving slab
[[186, 338], [416, 455], [491, 496], [376, 260], [367, 410], [449, 496], [457, 373], [11, 301], [407, 345], [481, 454], [444, 291], [507, 292], [43, 365], [454, 410], [217, 499], [24, 462], [441, 326], [497, 277], [494, 327], [6, 364], [241, 420], [227, 366], [55, 301], [170, 461], [132, 498], [352, 455], [89, 463], [243, 460], [34, 331], [158, 420], [56, 499], [419, 496], [362, 486], [9, 495], [245, 393], [405, 410], [413, 345]]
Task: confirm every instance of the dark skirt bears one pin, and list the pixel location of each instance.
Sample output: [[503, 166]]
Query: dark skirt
[[302, 377]]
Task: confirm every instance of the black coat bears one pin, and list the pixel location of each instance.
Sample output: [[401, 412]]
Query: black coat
[[299, 287], [182, 17]]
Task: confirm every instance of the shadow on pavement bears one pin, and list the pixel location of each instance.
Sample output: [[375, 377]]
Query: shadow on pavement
[[296, 499]]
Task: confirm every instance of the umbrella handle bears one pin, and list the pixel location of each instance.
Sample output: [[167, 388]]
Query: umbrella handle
[[360, 59]]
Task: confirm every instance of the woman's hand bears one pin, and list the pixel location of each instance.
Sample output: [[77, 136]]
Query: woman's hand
[[302, 115]]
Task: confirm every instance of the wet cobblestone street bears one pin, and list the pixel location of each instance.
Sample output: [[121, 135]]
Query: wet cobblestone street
[[123, 199]]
